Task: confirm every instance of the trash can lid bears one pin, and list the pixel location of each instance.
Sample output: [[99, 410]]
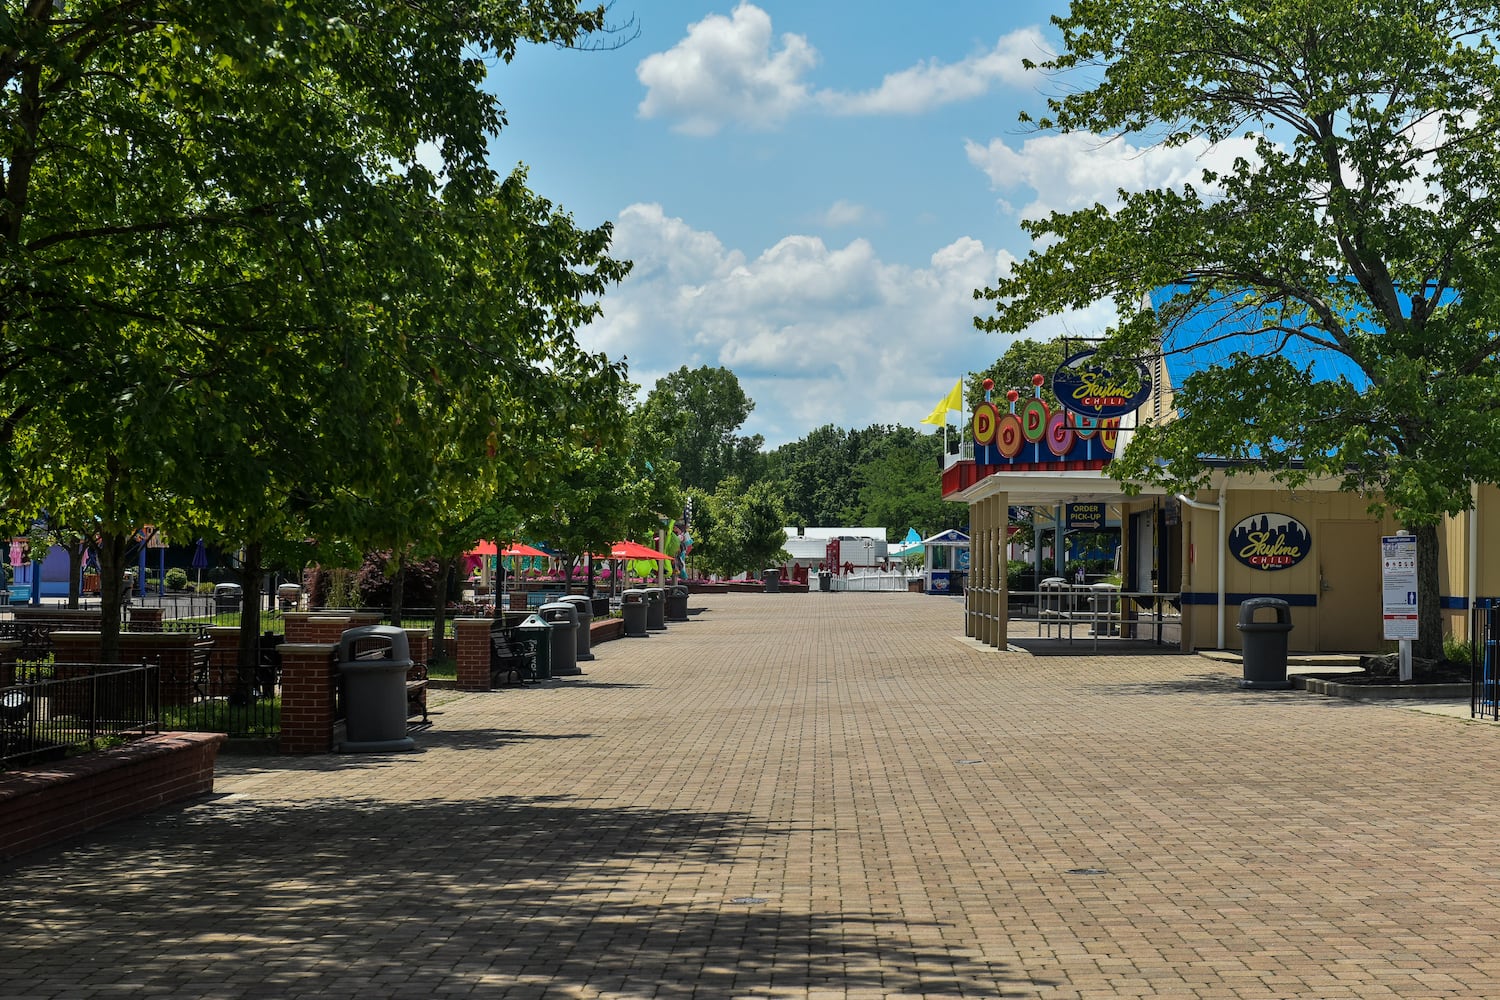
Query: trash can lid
[[1250, 605], [535, 622], [561, 609], [370, 637]]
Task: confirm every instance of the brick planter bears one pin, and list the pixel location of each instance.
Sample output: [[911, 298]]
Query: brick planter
[[46, 803]]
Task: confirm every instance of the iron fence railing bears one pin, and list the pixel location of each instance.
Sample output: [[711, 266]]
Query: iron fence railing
[[1484, 663], [59, 709]]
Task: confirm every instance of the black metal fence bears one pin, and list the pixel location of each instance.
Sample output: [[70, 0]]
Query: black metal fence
[[1484, 665], [210, 697], [60, 709]]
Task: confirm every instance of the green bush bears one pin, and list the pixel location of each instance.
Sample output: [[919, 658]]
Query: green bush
[[1458, 652], [177, 579]]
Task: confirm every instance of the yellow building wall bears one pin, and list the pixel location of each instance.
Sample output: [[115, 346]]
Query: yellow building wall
[[1301, 585]]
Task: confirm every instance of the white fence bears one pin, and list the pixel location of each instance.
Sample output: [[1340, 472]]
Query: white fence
[[874, 579]]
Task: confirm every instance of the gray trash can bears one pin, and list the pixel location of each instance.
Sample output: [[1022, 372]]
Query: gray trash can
[[772, 579], [656, 609], [677, 601], [585, 608], [227, 596], [373, 660], [633, 607], [1265, 643], [563, 618]]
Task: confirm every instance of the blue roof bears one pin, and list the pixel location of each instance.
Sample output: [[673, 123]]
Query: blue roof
[[1227, 324]]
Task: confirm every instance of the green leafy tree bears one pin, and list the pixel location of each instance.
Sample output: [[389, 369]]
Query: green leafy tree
[[1357, 223], [900, 486], [216, 236], [697, 412], [1017, 367], [816, 474], [738, 529]]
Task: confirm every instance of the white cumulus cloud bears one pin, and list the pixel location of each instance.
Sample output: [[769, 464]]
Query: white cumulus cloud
[[844, 213], [931, 83], [736, 70], [1078, 169], [727, 69], [815, 333]]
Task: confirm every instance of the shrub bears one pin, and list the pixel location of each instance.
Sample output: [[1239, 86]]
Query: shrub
[[177, 579], [418, 591], [1458, 652]]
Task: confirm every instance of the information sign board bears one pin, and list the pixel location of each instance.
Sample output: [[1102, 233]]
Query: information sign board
[[1398, 586]]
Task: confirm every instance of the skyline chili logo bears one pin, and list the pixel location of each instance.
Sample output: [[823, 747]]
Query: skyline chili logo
[[1270, 541], [1089, 390]]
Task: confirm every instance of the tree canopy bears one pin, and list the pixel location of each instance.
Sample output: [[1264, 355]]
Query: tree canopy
[[697, 413], [257, 279], [1338, 271]]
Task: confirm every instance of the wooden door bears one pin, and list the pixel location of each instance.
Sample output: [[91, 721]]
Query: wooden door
[[1349, 586]]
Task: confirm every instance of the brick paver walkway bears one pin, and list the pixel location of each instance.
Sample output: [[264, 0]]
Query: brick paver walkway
[[820, 796]]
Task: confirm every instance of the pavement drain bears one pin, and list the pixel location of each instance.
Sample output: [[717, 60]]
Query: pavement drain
[[970, 762], [749, 900], [1086, 871]]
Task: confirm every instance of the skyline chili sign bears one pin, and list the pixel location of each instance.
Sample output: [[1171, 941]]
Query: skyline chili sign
[[1091, 391], [1270, 541]]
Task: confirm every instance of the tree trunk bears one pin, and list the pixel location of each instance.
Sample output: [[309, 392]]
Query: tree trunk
[[1429, 641], [112, 549], [249, 655], [75, 572], [448, 570], [588, 587], [398, 594]]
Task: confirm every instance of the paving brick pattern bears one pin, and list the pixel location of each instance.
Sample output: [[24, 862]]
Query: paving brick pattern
[[813, 796]]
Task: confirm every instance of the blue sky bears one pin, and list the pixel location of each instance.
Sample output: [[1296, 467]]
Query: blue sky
[[811, 191]]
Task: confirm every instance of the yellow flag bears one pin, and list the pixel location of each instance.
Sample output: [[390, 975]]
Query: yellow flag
[[953, 401]]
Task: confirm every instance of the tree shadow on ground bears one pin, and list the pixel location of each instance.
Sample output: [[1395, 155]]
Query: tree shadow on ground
[[513, 897]]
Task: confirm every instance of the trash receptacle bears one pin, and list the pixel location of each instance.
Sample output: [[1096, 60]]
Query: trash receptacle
[[677, 601], [825, 580], [633, 607], [227, 596], [585, 608], [1265, 643], [563, 618], [656, 609], [373, 660], [289, 597], [772, 579], [539, 631]]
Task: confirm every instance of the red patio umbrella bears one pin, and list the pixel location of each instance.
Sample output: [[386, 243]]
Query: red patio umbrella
[[635, 550], [483, 549], [522, 549]]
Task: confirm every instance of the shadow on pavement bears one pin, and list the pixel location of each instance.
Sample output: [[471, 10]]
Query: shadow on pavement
[[513, 897]]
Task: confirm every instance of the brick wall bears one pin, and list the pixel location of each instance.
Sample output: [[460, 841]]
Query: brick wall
[[46, 803], [472, 671], [307, 696], [145, 619]]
